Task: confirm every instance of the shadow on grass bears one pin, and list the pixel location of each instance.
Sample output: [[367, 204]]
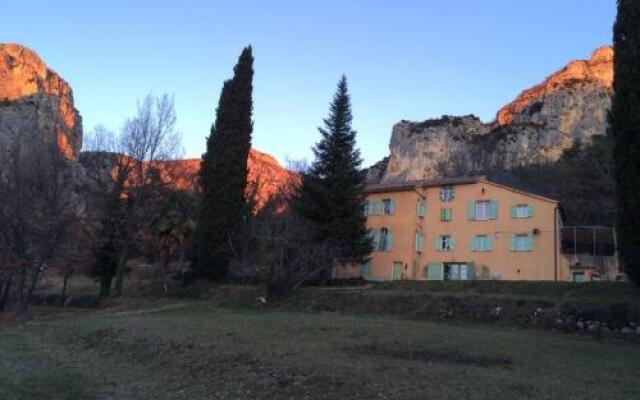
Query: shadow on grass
[[449, 356], [53, 384]]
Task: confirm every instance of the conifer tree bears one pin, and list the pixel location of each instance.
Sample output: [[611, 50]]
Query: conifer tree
[[223, 173], [330, 195], [625, 129]]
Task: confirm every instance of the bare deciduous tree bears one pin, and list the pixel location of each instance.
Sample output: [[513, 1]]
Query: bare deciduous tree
[[145, 141]]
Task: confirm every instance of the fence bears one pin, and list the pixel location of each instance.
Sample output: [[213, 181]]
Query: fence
[[590, 246]]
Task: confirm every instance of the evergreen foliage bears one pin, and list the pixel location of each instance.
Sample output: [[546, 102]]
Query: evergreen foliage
[[624, 125], [223, 175], [330, 196]]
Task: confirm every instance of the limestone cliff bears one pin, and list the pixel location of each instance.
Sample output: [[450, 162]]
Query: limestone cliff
[[34, 100], [537, 127], [36, 103]]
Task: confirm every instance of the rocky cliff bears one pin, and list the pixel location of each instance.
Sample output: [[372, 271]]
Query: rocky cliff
[[537, 127], [34, 100]]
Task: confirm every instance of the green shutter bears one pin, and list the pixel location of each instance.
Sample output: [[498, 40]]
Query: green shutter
[[489, 243], [530, 243], [434, 272], [471, 211], [514, 211], [452, 242], [392, 206], [530, 214], [513, 243], [437, 242], [389, 240], [493, 213], [364, 268], [471, 271], [474, 243], [421, 208]]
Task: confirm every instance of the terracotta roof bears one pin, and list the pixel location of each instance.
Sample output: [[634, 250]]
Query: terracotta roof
[[422, 183], [465, 180]]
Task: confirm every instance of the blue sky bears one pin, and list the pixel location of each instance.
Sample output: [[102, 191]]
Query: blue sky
[[404, 59]]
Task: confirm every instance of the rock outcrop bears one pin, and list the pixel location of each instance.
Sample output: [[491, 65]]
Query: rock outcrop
[[36, 103], [34, 100], [264, 171], [537, 127]]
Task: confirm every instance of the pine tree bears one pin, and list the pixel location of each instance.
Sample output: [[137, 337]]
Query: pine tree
[[330, 196], [223, 174], [625, 129]]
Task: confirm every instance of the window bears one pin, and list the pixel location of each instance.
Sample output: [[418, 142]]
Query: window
[[380, 207], [446, 193], [481, 243], [445, 243], [579, 276], [456, 272], [421, 208], [382, 239], [522, 211], [523, 242], [445, 214], [419, 242], [365, 268], [388, 206], [482, 210]]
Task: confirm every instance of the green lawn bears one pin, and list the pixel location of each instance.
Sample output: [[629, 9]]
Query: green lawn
[[198, 350]]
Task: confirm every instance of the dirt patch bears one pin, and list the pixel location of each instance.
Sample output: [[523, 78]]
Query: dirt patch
[[449, 356]]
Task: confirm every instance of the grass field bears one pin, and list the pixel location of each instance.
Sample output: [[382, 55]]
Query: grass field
[[175, 349]]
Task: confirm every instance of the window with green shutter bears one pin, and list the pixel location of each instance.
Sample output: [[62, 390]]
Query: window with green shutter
[[421, 208], [445, 243], [445, 214], [482, 210], [388, 207], [481, 243], [446, 193], [419, 242], [522, 242], [522, 211], [433, 271], [365, 268]]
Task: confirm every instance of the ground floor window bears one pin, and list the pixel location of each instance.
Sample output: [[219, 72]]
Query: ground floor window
[[579, 276], [456, 272]]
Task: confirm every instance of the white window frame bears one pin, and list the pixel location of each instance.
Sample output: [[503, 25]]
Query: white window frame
[[446, 193], [483, 210], [522, 211], [445, 242], [522, 242]]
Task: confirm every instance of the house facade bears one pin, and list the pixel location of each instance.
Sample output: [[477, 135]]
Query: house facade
[[460, 229]]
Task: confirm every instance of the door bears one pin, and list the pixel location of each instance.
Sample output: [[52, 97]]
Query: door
[[456, 272], [397, 271]]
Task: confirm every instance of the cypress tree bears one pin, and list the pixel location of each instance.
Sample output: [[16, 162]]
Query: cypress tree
[[330, 196], [625, 128], [223, 173]]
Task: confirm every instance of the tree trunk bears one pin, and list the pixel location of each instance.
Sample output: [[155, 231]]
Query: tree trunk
[[122, 266], [105, 286], [32, 288], [5, 294], [64, 288]]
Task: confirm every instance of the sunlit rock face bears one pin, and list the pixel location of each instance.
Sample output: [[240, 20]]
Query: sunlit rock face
[[538, 126], [36, 100], [263, 170]]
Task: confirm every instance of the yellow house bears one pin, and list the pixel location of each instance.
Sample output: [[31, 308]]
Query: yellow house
[[460, 229]]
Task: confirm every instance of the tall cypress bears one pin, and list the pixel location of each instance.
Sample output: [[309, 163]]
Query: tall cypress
[[625, 128], [223, 173], [330, 196]]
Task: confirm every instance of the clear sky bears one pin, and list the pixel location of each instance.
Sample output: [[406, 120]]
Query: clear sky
[[404, 59]]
